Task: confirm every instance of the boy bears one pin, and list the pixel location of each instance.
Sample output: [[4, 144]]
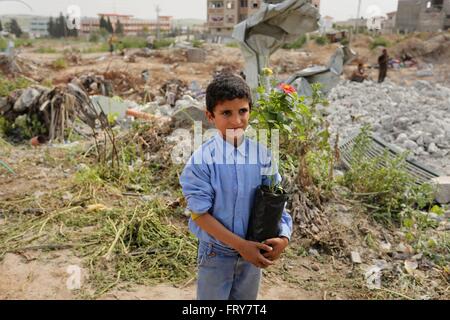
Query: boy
[[219, 183]]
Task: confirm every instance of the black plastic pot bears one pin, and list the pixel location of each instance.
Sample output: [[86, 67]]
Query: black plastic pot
[[266, 214]]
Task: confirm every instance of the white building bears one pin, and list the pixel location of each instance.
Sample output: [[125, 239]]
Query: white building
[[375, 23], [39, 27], [326, 24]]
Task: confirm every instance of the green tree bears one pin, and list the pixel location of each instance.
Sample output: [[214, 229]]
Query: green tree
[[103, 23], [61, 26], [1, 27], [14, 28], [119, 27], [109, 26], [51, 27]]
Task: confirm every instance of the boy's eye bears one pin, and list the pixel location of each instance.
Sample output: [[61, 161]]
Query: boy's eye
[[243, 111], [226, 113]]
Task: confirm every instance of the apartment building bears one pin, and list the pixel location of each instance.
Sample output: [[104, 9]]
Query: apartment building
[[223, 15]]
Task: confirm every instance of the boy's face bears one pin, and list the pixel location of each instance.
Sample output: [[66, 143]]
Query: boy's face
[[231, 119]]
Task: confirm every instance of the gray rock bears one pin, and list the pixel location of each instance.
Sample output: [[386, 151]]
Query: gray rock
[[432, 148], [401, 123], [410, 145], [402, 137], [356, 258], [26, 100], [196, 55], [442, 193], [4, 106], [186, 115]]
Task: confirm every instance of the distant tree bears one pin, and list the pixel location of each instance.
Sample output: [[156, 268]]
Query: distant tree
[[51, 27], [109, 26], [119, 27], [61, 26], [103, 23], [1, 27], [14, 28]]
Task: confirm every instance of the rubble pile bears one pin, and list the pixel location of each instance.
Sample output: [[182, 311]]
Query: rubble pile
[[415, 118], [108, 83], [15, 65], [96, 84], [46, 112], [173, 90], [436, 48], [169, 56]]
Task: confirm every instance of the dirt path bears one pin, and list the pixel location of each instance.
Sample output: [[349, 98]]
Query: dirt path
[[34, 275]]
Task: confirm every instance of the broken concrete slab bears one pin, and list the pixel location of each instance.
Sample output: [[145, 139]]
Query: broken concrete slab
[[442, 189], [26, 100], [187, 113], [196, 55], [356, 258], [114, 106]]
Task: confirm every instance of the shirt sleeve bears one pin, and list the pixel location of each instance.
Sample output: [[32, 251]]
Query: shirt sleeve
[[196, 187]]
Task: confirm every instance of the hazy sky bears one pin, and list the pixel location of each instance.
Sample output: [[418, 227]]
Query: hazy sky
[[339, 9]]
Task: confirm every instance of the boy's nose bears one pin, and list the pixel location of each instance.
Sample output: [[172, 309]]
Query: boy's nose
[[236, 121]]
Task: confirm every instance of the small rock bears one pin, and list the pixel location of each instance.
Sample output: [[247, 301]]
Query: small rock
[[410, 145], [410, 266], [314, 252], [315, 267], [67, 196], [432, 148], [82, 167], [417, 256], [38, 194], [385, 246], [356, 258]]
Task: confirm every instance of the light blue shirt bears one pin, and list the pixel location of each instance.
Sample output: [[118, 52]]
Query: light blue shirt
[[221, 180]]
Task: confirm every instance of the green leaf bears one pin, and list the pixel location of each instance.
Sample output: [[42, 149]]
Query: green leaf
[[4, 165], [437, 210]]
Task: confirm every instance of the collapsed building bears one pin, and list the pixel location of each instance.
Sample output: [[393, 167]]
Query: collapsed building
[[423, 15]]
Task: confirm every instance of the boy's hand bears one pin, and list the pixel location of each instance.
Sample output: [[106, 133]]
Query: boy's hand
[[278, 245], [250, 251]]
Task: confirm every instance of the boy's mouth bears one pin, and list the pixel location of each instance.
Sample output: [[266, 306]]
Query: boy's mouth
[[234, 132]]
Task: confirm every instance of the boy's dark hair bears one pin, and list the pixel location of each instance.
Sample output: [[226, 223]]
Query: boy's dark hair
[[226, 87]]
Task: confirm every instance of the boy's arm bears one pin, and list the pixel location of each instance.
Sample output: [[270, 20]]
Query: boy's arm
[[249, 250]]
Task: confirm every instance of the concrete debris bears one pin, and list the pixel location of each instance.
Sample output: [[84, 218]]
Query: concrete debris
[[411, 266], [314, 252], [385, 247], [96, 84], [442, 190], [373, 277], [415, 118], [188, 110], [46, 113], [27, 99], [196, 55], [173, 90], [356, 258]]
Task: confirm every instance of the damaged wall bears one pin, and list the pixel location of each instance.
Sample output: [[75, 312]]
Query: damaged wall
[[423, 15]]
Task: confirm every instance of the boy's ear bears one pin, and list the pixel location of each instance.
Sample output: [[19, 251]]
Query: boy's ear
[[209, 116]]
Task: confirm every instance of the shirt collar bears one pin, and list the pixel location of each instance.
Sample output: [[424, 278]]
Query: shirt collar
[[228, 148]]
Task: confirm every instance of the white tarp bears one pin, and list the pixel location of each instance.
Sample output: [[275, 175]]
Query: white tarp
[[268, 29]]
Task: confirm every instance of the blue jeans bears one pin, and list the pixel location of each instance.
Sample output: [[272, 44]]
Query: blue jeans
[[225, 275]]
